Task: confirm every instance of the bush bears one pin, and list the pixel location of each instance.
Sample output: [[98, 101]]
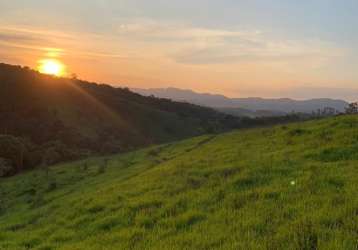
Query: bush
[[13, 149], [6, 167], [352, 108]]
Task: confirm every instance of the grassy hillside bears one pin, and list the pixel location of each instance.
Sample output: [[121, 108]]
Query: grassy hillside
[[72, 118], [286, 187]]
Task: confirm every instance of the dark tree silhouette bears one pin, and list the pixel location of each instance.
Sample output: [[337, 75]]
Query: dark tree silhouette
[[352, 108], [12, 151]]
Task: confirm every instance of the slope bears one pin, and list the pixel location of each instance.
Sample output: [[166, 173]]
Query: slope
[[286, 187], [74, 117]]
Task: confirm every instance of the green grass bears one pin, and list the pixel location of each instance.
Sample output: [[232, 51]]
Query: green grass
[[286, 187]]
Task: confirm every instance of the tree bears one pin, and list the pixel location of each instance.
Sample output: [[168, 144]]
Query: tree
[[74, 76], [329, 111], [14, 150], [6, 167], [352, 108]]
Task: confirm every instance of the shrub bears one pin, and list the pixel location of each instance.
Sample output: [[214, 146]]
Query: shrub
[[352, 108], [6, 167], [13, 149]]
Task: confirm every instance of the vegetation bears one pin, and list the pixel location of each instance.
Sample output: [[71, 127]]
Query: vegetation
[[287, 187], [352, 108], [72, 119]]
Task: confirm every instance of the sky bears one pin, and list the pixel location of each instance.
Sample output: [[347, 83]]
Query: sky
[[240, 48]]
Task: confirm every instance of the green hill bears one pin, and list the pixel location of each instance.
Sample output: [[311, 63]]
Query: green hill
[[69, 118], [47, 120], [286, 187]]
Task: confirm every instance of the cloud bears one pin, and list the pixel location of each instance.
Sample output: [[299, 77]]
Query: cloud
[[186, 44], [23, 40], [150, 29], [52, 43], [29, 39], [179, 53], [10, 37], [262, 53], [178, 42], [258, 49]]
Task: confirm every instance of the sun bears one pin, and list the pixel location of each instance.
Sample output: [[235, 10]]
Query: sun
[[51, 67]]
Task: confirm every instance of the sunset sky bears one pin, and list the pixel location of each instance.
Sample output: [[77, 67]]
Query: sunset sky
[[268, 48]]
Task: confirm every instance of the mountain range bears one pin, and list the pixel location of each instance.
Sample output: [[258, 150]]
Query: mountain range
[[254, 106]]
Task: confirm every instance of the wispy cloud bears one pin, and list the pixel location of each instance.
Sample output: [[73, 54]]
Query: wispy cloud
[[186, 44], [147, 52], [53, 43], [180, 43], [29, 39], [259, 51], [10, 37]]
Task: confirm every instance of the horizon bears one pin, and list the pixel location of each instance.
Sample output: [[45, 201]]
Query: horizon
[[206, 124], [290, 50], [247, 97], [118, 85]]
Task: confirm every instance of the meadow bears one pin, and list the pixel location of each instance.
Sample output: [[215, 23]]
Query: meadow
[[285, 187]]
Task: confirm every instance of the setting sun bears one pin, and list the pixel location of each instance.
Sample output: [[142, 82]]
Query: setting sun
[[51, 67]]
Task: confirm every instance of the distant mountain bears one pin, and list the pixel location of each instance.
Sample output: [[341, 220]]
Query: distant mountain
[[246, 106], [45, 120]]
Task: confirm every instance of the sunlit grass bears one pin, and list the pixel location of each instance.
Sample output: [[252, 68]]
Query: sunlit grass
[[287, 187]]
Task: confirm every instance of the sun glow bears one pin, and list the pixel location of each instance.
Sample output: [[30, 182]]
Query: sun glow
[[51, 67]]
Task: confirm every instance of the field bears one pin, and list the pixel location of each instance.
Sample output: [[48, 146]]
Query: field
[[286, 187]]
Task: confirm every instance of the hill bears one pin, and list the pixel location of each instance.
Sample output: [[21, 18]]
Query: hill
[[70, 118], [254, 107], [287, 187]]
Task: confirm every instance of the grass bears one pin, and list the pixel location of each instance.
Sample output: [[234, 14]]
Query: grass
[[286, 187]]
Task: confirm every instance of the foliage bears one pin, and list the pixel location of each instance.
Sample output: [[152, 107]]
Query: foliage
[[6, 167], [76, 118], [13, 151], [285, 187], [352, 108]]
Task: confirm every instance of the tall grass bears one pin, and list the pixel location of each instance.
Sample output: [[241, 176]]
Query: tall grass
[[287, 187]]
